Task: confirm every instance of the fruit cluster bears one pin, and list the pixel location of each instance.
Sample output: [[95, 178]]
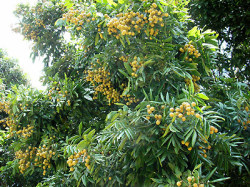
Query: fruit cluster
[[132, 23], [195, 79], [213, 130], [28, 32], [124, 58], [245, 123], [204, 150], [58, 95], [190, 49], [78, 157], [43, 157], [191, 181], [39, 23], [78, 17], [24, 158], [158, 117], [184, 109], [26, 132], [136, 64], [4, 106], [186, 144], [12, 126], [100, 79], [130, 99]]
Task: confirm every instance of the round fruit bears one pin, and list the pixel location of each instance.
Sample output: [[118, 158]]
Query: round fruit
[[152, 108], [189, 178], [187, 144], [158, 122], [197, 115]]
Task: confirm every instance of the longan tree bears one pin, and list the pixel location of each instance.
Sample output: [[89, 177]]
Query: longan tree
[[131, 102]]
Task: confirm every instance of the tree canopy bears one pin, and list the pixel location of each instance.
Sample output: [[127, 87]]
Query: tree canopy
[[230, 19], [10, 71], [133, 98]]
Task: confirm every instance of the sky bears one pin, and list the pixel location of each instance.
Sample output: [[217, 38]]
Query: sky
[[15, 45]]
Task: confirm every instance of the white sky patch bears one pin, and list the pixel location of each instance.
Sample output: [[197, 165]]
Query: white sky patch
[[15, 45]]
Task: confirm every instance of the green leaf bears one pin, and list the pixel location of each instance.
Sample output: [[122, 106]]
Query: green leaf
[[210, 174], [194, 138], [110, 115], [88, 97], [210, 46], [166, 131], [80, 129], [173, 129], [82, 145], [122, 72], [219, 180], [198, 166], [158, 181], [96, 38], [122, 143], [122, 43], [91, 133], [193, 31], [188, 135], [128, 68], [202, 96], [127, 40], [84, 180]]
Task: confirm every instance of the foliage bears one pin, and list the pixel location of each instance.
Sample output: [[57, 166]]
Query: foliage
[[229, 19], [37, 24], [10, 72], [134, 101]]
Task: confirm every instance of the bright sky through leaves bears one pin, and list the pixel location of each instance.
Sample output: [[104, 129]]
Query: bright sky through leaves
[[14, 43]]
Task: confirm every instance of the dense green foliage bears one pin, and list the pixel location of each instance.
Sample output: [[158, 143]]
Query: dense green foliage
[[133, 98], [10, 72], [230, 19]]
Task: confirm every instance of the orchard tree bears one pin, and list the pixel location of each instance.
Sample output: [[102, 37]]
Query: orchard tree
[[10, 71], [134, 100], [230, 20], [10, 76]]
